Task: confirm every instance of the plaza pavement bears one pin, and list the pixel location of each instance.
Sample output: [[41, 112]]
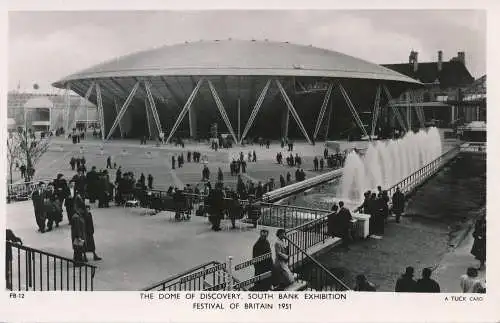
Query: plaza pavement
[[149, 159], [138, 249]]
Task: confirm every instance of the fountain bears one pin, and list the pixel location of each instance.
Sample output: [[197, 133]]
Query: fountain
[[387, 163]]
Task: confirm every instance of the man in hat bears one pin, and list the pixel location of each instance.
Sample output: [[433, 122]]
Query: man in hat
[[260, 248], [37, 197], [406, 283], [398, 204]]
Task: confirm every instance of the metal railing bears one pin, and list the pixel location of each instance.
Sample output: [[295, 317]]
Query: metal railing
[[22, 191], [309, 234], [287, 216], [417, 178], [211, 275], [31, 269], [313, 272]]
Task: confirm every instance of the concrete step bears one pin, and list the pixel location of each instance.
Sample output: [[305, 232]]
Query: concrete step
[[298, 285]]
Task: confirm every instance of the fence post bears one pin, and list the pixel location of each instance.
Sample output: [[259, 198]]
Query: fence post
[[230, 273]]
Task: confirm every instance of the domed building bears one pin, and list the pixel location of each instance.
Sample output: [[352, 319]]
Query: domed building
[[247, 88]]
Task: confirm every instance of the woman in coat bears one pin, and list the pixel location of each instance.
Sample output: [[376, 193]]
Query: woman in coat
[[282, 273], [479, 247], [78, 237], [89, 235], [53, 208]]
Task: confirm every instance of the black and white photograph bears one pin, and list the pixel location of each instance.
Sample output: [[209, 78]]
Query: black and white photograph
[[325, 152]]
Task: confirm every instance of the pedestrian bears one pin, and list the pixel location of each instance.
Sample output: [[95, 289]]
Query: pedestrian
[[282, 181], [470, 283], [406, 283], [398, 204], [363, 285], [23, 170], [332, 221], [108, 163], [173, 161], [92, 185], [78, 238], [11, 237], [479, 247], [69, 201], [205, 173], [220, 175], [150, 181], [282, 275], [316, 163], [426, 284], [321, 164], [53, 208], [37, 197], [344, 218], [254, 159], [72, 163], [89, 235], [262, 248]]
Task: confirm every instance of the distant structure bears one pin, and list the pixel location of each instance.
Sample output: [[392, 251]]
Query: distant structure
[[43, 111], [449, 96]]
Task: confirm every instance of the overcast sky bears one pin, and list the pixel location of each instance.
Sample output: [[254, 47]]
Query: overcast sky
[[46, 46]]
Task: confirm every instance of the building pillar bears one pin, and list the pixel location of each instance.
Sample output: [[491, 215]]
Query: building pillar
[[192, 122]]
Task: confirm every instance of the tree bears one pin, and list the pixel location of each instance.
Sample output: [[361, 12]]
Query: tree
[[13, 152], [31, 149]]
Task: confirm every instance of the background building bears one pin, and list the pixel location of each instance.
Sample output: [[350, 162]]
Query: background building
[[42, 110], [450, 94]]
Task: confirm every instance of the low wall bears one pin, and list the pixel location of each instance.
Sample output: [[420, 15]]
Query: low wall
[[298, 187]]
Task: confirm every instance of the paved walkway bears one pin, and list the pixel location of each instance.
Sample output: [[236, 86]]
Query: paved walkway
[[138, 249], [455, 264]]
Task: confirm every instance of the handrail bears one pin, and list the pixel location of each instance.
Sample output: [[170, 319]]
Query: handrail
[[318, 264], [323, 218], [182, 274], [392, 188], [292, 206], [32, 269], [45, 253]]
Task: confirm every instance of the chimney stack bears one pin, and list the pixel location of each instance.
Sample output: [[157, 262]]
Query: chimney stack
[[461, 57], [440, 60], [413, 59]]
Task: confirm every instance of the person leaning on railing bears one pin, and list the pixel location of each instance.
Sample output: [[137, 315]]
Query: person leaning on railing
[[11, 237]]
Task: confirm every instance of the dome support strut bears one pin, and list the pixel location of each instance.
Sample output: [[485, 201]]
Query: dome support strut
[[152, 106], [222, 111], [292, 110], [321, 115], [353, 110], [255, 110], [394, 109], [185, 109], [122, 110], [376, 111], [100, 109]]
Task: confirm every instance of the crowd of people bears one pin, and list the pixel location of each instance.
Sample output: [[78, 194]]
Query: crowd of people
[[48, 201], [376, 204]]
